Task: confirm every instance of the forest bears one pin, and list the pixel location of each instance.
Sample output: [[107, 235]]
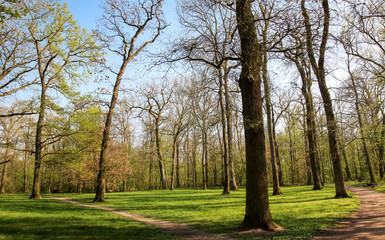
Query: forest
[[241, 94]]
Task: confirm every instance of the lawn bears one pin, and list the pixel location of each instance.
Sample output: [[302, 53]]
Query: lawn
[[380, 186], [302, 211], [22, 219]]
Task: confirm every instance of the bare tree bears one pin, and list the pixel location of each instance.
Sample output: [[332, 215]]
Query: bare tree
[[127, 28], [319, 70], [156, 100]]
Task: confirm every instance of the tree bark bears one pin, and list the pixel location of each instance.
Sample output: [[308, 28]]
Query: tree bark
[[101, 180], [226, 182], [257, 203], [319, 69], [39, 145], [310, 124], [229, 118], [266, 84], [381, 148], [3, 178], [361, 127]]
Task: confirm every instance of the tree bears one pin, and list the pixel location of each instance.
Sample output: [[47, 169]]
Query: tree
[[298, 56], [178, 123], [17, 60], [157, 97], [319, 70], [211, 44], [124, 24], [266, 12], [257, 203], [61, 48], [10, 131]]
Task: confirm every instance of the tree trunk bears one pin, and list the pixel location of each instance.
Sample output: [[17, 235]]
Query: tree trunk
[[204, 184], [3, 178], [347, 170], [310, 124], [280, 175], [160, 159], [101, 180], [174, 156], [361, 127], [177, 166], [257, 202], [319, 69], [291, 152], [266, 84], [226, 183], [39, 145], [229, 118], [381, 148]]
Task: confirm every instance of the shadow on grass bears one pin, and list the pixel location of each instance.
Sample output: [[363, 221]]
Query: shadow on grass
[[48, 219]]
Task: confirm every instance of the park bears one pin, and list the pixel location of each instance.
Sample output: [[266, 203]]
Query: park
[[192, 119]]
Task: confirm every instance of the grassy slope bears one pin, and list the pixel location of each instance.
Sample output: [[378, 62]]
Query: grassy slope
[[300, 210], [21, 218]]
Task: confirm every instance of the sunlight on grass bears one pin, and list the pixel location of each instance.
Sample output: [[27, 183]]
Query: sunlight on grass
[[300, 210], [21, 218], [380, 186]]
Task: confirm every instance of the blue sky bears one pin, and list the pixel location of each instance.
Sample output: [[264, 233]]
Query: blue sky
[[87, 12]]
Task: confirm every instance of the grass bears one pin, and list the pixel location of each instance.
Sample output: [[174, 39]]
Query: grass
[[21, 218], [380, 186], [302, 211]]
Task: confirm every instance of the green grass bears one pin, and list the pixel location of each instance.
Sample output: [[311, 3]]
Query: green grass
[[380, 186], [21, 218], [302, 211]]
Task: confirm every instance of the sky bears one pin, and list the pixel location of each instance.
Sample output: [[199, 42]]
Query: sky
[[87, 13]]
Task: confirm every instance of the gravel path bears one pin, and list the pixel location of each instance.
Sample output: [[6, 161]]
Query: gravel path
[[368, 222], [181, 230]]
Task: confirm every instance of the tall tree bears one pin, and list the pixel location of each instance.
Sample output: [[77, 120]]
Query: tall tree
[[257, 203], [319, 70], [124, 24], [156, 100], [61, 48]]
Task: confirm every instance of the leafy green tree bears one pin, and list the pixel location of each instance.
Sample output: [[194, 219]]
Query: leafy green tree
[[65, 52]]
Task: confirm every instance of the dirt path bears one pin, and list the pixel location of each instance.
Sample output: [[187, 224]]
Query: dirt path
[[368, 222], [181, 230]]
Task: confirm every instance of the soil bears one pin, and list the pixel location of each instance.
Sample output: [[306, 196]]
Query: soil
[[368, 222]]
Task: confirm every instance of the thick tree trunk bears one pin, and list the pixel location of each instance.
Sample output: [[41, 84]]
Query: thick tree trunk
[[3, 178], [257, 202], [320, 73], [101, 180]]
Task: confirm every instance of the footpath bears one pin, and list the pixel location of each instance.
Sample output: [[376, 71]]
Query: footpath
[[368, 222], [183, 231]]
